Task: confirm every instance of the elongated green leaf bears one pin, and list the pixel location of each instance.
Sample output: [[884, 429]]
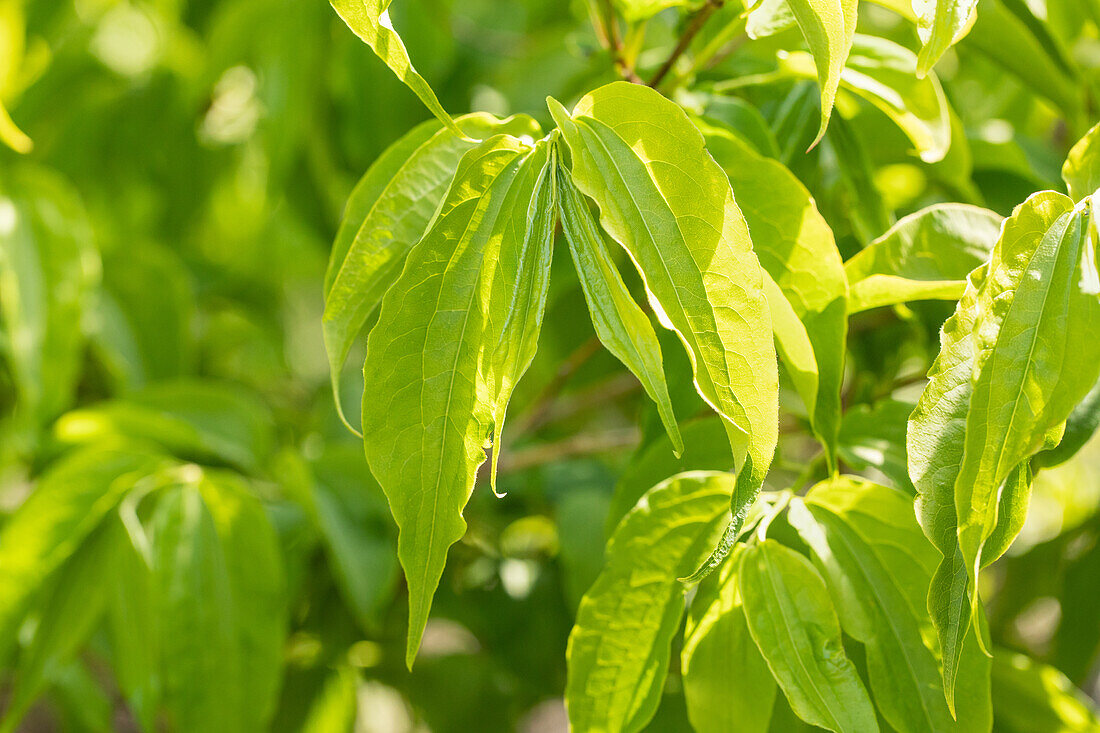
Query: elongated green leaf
[[48, 266], [257, 587], [620, 324], [201, 664], [883, 521], [619, 647], [370, 20], [1030, 697], [1035, 360], [793, 345], [386, 215], [199, 420], [438, 367], [941, 24], [883, 73], [874, 610], [68, 503], [926, 255], [874, 437], [1081, 171], [796, 248], [636, 10], [727, 683], [793, 623], [828, 27], [679, 222]]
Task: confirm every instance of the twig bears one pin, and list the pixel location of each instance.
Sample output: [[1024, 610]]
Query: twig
[[615, 44], [697, 22], [542, 404], [578, 445]]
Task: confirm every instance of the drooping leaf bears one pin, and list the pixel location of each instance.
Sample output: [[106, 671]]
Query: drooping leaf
[[926, 255], [370, 20], [1081, 171], [727, 683], [940, 25], [437, 378], [795, 627], [386, 215], [682, 228], [619, 648], [66, 506], [620, 324], [796, 248], [1035, 360], [828, 27], [1030, 697], [883, 73]]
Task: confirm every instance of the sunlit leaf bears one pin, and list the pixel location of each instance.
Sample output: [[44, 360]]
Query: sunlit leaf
[[1081, 171], [940, 25], [1030, 697]]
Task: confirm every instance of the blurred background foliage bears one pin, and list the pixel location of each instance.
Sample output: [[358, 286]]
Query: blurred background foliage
[[164, 244]]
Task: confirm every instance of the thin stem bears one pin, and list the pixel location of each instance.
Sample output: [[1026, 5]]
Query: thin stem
[[697, 22], [578, 445], [537, 414]]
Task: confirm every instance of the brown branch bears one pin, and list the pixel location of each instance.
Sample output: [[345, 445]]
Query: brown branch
[[577, 445], [697, 22], [542, 404]]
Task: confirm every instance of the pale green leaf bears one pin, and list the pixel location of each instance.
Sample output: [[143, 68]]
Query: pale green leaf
[[884, 521], [620, 324], [796, 248], [436, 373], [619, 647], [884, 73], [11, 135], [793, 345], [1036, 358], [828, 27], [874, 610], [370, 20], [665, 200], [926, 255], [940, 25], [1031, 697], [795, 627], [637, 10], [727, 683], [386, 215], [1080, 427], [1081, 171]]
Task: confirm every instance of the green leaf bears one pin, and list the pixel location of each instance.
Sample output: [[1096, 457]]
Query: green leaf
[[1081, 171], [66, 506], [632, 151], [257, 585], [201, 666], [370, 20], [619, 648], [883, 520], [454, 333], [940, 25], [637, 10], [386, 215], [1030, 697], [796, 248], [828, 27], [883, 73], [793, 623], [727, 683], [11, 135], [48, 266], [621, 325], [194, 419], [926, 255], [874, 609]]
